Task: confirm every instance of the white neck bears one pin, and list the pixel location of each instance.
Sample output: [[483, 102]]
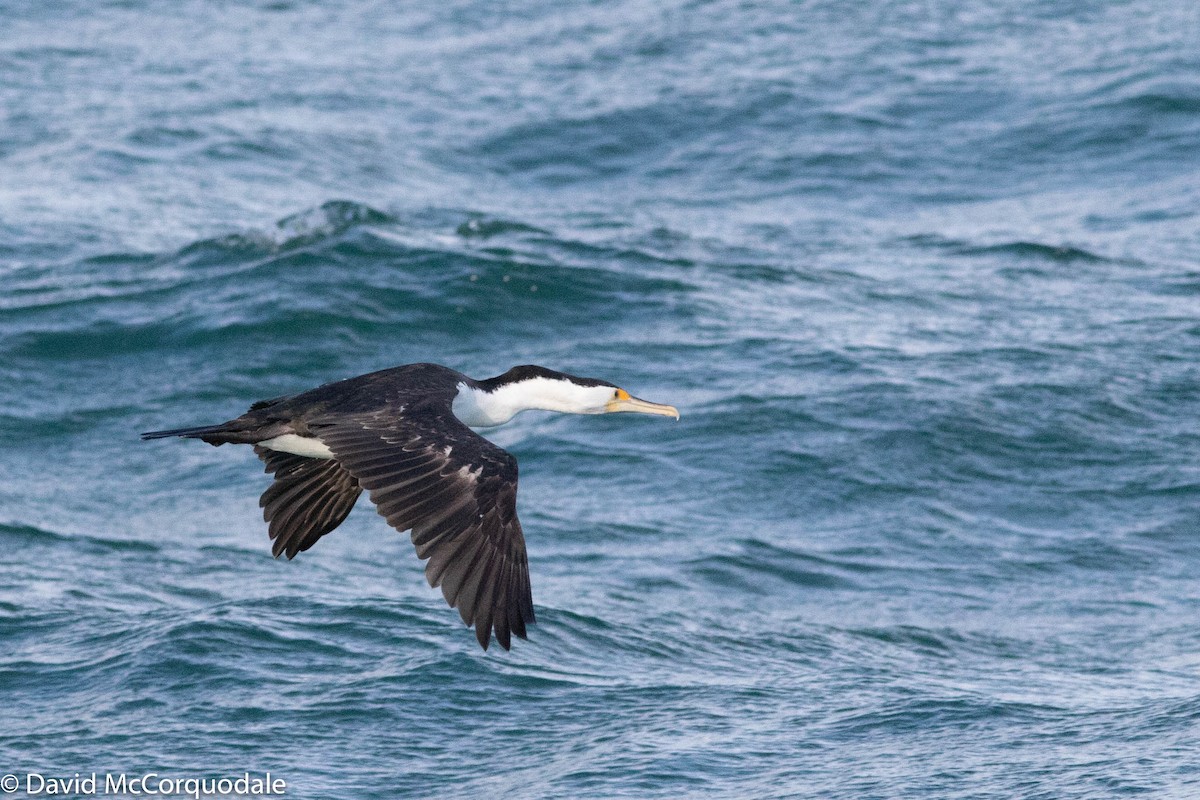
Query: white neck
[[480, 409]]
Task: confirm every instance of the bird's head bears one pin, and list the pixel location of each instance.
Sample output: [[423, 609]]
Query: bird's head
[[533, 387]]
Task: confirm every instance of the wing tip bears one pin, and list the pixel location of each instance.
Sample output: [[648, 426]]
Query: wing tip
[[502, 635]]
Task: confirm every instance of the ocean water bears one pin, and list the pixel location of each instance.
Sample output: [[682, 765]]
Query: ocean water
[[923, 279]]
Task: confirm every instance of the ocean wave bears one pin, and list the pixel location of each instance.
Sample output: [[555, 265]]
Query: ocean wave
[[329, 220], [1017, 250], [342, 270], [23, 535], [760, 567]]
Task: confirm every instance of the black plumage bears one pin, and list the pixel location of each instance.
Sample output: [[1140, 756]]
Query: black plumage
[[393, 433], [309, 498]]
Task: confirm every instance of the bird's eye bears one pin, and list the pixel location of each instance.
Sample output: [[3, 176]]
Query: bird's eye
[[617, 393]]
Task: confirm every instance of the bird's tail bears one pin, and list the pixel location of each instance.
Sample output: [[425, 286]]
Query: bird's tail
[[213, 434]]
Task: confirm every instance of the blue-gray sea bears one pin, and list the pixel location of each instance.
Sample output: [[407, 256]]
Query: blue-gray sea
[[923, 279]]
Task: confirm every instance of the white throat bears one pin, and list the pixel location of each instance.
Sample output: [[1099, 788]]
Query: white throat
[[480, 409]]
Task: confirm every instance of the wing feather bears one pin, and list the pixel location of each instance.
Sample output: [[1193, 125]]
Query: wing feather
[[309, 498], [427, 472]]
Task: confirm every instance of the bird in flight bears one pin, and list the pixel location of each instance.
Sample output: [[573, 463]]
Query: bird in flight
[[404, 435]]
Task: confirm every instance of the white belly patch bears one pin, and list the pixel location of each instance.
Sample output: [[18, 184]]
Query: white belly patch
[[298, 446]]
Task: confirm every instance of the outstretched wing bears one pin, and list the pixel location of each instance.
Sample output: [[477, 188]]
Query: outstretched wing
[[457, 492], [309, 498]]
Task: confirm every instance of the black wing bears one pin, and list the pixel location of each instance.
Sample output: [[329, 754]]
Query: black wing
[[309, 498], [428, 472]]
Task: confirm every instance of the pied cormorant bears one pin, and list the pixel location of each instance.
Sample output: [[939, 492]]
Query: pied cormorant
[[404, 434]]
